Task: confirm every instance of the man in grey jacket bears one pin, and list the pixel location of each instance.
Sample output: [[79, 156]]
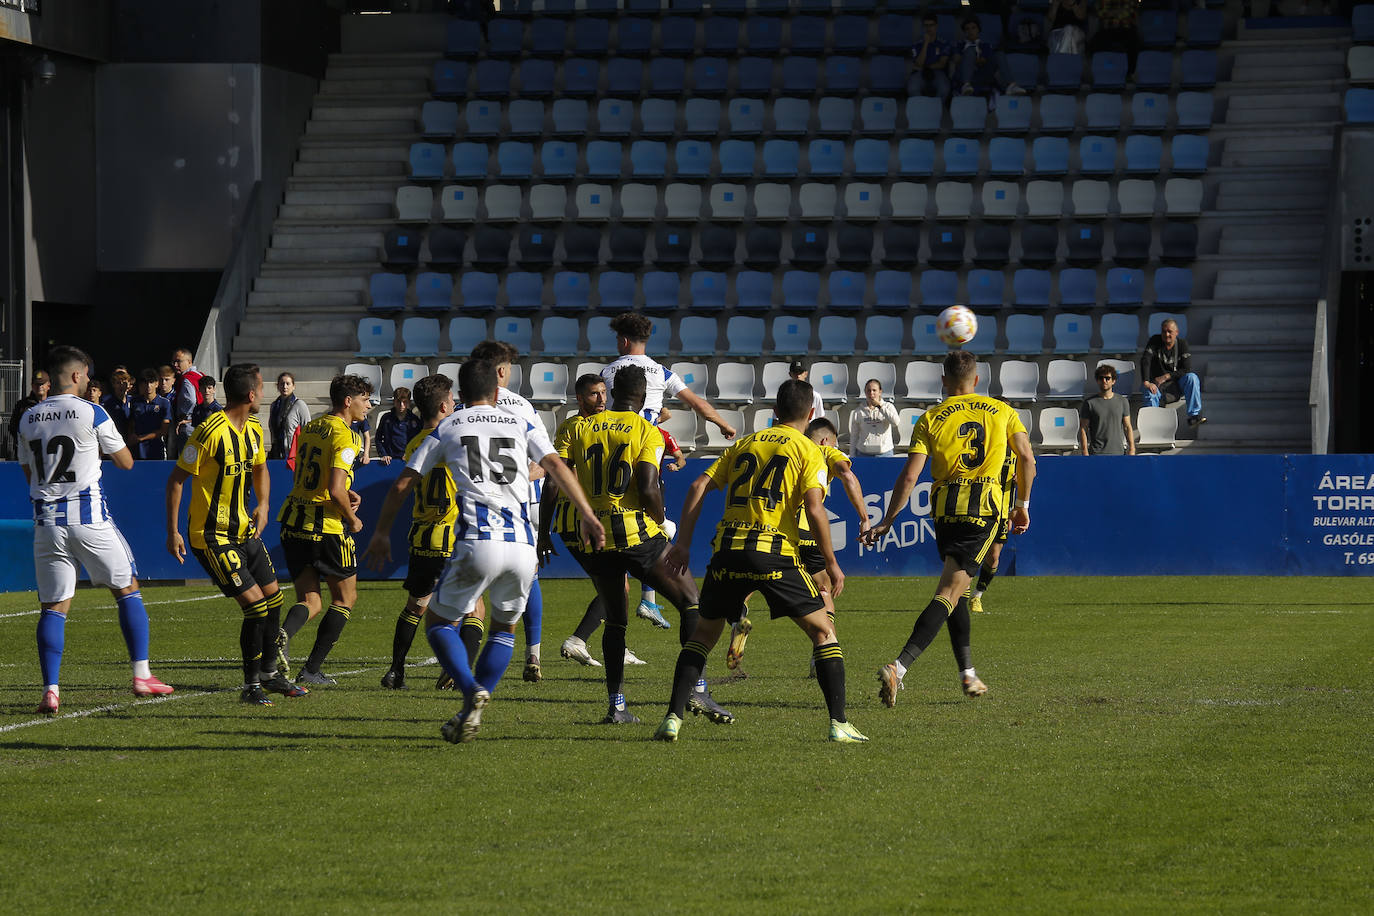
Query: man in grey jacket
[[1167, 366]]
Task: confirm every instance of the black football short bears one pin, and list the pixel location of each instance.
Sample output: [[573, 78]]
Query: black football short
[[812, 560], [1003, 529], [734, 575], [636, 561], [966, 541], [236, 568], [331, 555], [423, 572]]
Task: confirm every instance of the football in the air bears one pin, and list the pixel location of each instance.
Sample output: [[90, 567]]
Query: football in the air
[[956, 325]]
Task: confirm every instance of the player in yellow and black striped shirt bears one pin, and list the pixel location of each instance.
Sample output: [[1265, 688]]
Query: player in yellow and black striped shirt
[[966, 438], [431, 528], [318, 521], [223, 457], [768, 479]]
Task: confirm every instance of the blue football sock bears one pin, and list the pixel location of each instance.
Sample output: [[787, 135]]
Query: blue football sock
[[52, 633], [534, 615], [133, 621], [448, 648], [495, 659]]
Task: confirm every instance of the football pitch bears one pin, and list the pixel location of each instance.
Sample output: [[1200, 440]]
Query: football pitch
[[1146, 745]]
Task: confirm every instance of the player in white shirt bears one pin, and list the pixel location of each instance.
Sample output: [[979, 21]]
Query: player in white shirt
[[60, 442], [632, 332], [488, 452]]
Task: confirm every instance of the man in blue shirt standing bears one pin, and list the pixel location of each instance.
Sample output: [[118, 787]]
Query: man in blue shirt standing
[[397, 426], [150, 417]]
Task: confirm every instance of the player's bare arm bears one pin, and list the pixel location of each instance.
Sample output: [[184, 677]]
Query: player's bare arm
[[592, 532], [1025, 476], [378, 552], [844, 472], [344, 499], [901, 492], [175, 482], [650, 493], [707, 412], [680, 554], [262, 491], [123, 459], [548, 496], [813, 504]]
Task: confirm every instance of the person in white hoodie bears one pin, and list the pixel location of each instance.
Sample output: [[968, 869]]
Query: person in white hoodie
[[873, 423]]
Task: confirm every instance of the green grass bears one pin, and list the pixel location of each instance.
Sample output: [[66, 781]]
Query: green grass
[[1189, 744]]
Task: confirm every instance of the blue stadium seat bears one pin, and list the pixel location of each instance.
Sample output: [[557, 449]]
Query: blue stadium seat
[[923, 114], [561, 337], [754, 290], [515, 159], [580, 78], [624, 77], [736, 159], [463, 40], [743, 335], [505, 37], [1025, 70], [800, 75], [849, 35], [1120, 333], [677, 37], [1109, 70], [801, 290], [729, 7], [1085, 243], [835, 116], [600, 337], [858, 6], [826, 158], [478, 291], [807, 36], [721, 36], [781, 158], [892, 290], [708, 291], [493, 79], [572, 291], [1189, 153], [939, 289], [1025, 335], [1158, 28], [985, 287], [1078, 286], [746, 117], [1174, 286], [1058, 113], [527, 118], [438, 119], [925, 342], [1072, 333], [466, 333], [1125, 286], [427, 161], [591, 37], [1154, 70], [387, 294], [648, 159], [1194, 110], [710, 76], [616, 290], [548, 37], [961, 156], [968, 114], [450, 79], [558, 158], [1007, 157], [878, 116], [791, 117], [1013, 114], [376, 337], [1097, 155], [985, 340], [482, 119], [644, 7], [491, 248], [847, 290], [603, 159], [446, 247], [763, 247], [883, 335], [842, 75], [537, 78], [1178, 241], [667, 77], [433, 292], [1102, 111], [1362, 20], [887, 74], [896, 33], [754, 76], [810, 246], [762, 36], [615, 117], [1143, 154], [990, 28], [518, 332], [634, 36], [1205, 28], [1064, 72], [693, 159], [791, 336], [567, 7], [661, 291], [837, 335], [658, 118], [901, 246], [1149, 111], [1199, 70], [871, 157], [1031, 289], [1050, 155], [524, 291], [1359, 106]]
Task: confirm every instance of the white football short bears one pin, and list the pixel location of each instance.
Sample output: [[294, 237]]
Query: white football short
[[503, 569], [57, 550]]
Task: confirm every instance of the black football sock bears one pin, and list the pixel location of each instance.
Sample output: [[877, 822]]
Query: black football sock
[[596, 612], [471, 633], [691, 661], [331, 628], [406, 623], [271, 626], [295, 619], [687, 625], [985, 576], [923, 633], [613, 655], [960, 628], [250, 638], [830, 676]]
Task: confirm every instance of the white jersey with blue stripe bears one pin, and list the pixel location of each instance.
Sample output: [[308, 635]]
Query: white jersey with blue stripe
[[60, 443], [659, 382], [488, 453]]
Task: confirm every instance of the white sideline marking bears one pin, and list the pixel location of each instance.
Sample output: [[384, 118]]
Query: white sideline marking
[[148, 701], [113, 607]]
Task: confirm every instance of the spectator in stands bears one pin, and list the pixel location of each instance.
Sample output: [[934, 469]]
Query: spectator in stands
[[397, 427], [288, 413], [364, 430], [38, 390], [872, 424], [799, 372], [930, 60], [1105, 419], [120, 399], [981, 69], [185, 396], [166, 388], [207, 405], [95, 391], [150, 419], [1068, 26], [1118, 29], [1167, 366]]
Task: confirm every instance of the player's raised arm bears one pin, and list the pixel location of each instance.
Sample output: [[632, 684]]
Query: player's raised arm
[[707, 412], [844, 472], [1025, 476], [592, 531], [175, 481], [901, 492]]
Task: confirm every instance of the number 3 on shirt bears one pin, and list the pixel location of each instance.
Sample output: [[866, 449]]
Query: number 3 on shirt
[[972, 459]]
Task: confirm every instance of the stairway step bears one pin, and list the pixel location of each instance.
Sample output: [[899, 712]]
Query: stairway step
[[1299, 244], [352, 72], [397, 169], [341, 255], [403, 128], [325, 237], [1277, 318], [375, 85], [341, 195], [1240, 336], [1280, 142], [1295, 115], [309, 212], [336, 109], [293, 283], [1271, 99], [328, 299], [383, 151]]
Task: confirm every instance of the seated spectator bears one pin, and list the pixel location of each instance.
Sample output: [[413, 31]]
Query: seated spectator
[[1118, 29], [208, 404], [120, 399], [1026, 33], [982, 70], [930, 61], [397, 427], [95, 391], [1105, 426], [288, 414], [150, 420], [1167, 366], [38, 390], [1068, 26], [873, 423]]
